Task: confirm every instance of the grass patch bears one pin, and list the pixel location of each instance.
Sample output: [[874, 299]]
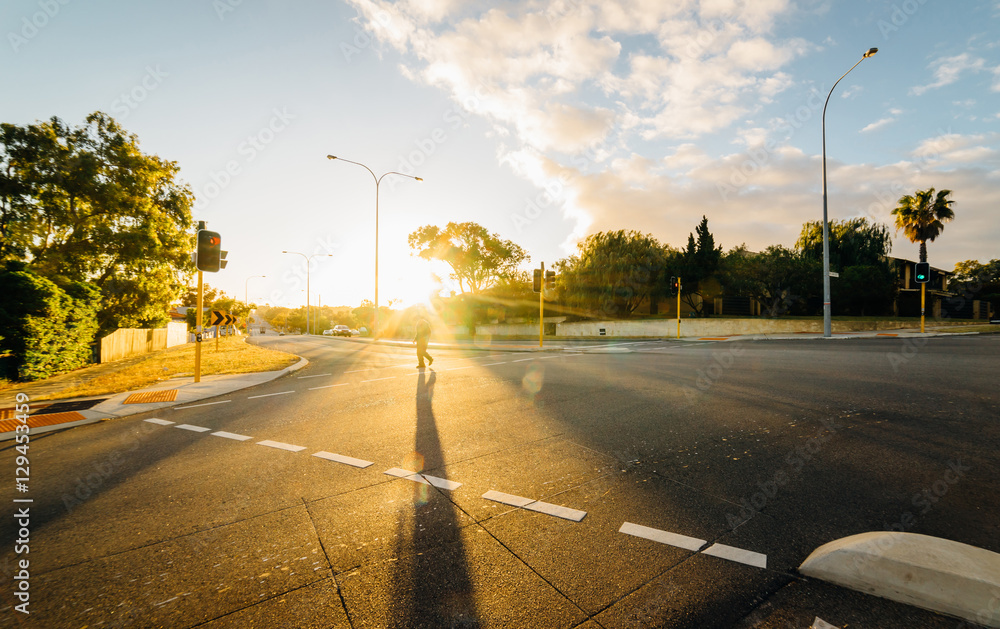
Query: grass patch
[[234, 356], [980, 328]]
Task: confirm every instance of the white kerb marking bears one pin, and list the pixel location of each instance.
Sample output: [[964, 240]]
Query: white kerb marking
[[231, 435], [737, 554], [280, 446], [192, 428], [159, 422], [663, 537], [340, 458]]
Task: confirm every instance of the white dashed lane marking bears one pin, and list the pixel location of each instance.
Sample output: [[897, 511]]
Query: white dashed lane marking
[[319, 375], [693, 544], [376, 379], [339, 384], [737, 554], [180, 408], [491, 364], [231, 435], [340, 458], [159, 422], [521, 360], [254, 397], [535, 505], [192, 428], [280, 446], [442, 483], [663, 537]]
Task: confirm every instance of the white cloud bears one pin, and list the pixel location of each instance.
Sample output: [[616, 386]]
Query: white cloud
[[882, 122], [947, 70]]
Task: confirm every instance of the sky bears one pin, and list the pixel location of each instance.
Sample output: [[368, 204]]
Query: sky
[[542, 121]]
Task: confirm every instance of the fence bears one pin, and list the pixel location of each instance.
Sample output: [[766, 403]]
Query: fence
[[126, 342]]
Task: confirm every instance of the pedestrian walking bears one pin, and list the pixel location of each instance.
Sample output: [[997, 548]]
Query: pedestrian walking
[[420, 339]]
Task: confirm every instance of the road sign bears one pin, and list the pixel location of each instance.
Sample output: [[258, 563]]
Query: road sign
[[834, 274], [219, 317]]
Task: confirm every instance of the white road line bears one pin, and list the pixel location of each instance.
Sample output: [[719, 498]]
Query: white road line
[[663, 537], [546, 357], [231, 435], [192, 428], [179, 408], [457, 368], [376, 379], [535, 505], [339, 384], [443, 483], [340, 458], [253, 397], [521, 360], [360, 370], [736, 554], [158, 422], [319, 375], [280, 446], [491, 364]]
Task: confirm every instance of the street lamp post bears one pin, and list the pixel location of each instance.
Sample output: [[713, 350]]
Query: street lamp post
[[246, 299], [308, 258], [827, 326], [378, 180]]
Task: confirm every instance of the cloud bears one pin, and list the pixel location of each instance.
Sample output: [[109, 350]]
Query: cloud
[[947, 70], [882, 122]]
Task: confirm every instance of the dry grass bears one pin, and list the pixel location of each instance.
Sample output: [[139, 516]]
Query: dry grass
[[233, 356], [980, 328]]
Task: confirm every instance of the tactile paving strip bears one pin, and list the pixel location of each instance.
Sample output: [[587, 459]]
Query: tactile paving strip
[[149, 397]]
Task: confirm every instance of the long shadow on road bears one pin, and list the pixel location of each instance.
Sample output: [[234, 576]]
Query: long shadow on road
[[431, 588]]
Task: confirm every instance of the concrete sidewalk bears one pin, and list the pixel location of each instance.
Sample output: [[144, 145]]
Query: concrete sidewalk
[[173, 392]]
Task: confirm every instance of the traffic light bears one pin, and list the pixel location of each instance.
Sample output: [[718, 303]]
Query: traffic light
[[550, 280], [674, 285], [536, 285], [209, 255], [923, 273]]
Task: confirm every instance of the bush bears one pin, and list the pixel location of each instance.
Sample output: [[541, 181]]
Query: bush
[[46, 329]]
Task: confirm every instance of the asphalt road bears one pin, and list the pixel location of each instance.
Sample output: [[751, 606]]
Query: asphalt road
[[738, 459]]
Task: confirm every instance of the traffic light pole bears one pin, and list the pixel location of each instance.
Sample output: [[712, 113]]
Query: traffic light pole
[[923, 292], [197, 333], [678, 307], [541, 308]]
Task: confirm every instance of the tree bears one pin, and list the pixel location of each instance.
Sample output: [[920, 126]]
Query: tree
[[698, 262], [978, 281], [859, 252], [780, 279], [922, 215], [613, 272], [478, 259], [86, 204]]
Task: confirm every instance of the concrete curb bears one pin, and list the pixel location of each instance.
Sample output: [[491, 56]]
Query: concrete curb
[[928, 572], [188, 392]]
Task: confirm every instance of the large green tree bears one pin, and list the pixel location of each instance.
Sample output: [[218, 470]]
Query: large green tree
[[859, 252], [612, 272], [86, 204], [478, 259], [974, 280], [921, 216]]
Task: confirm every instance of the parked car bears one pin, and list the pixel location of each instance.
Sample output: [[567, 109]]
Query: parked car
[[341, 330], [354, 332], [328, 332]]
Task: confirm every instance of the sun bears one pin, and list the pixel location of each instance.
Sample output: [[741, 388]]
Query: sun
[[411, 280]]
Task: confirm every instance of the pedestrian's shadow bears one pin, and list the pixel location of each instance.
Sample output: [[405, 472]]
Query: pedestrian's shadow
[[432, 585]]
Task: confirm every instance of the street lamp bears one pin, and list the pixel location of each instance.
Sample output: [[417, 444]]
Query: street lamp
[[826, 227], [246, 299], [308, 258], [378, 180]]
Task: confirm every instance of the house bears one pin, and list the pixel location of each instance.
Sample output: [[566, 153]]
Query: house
[[941, 302]]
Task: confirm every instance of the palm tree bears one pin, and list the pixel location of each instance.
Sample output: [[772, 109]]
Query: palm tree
[[922, 216]]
